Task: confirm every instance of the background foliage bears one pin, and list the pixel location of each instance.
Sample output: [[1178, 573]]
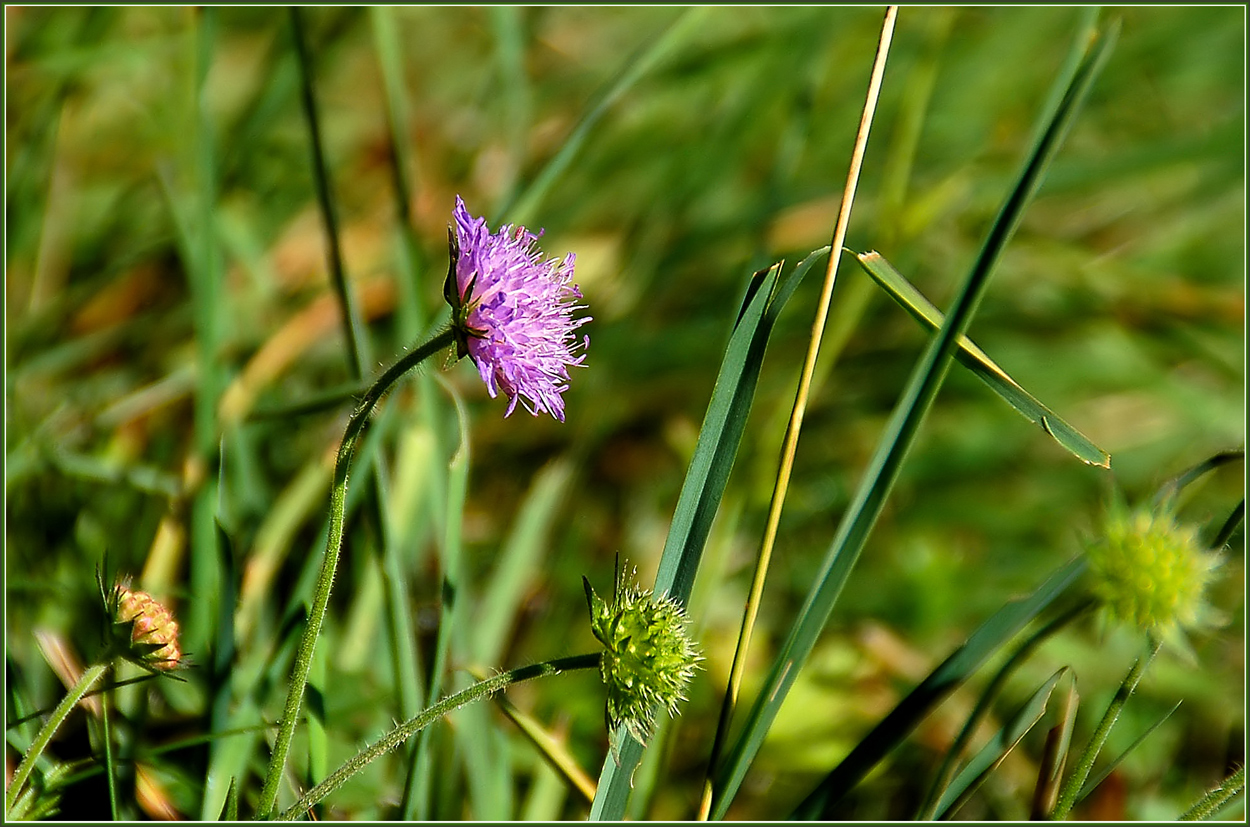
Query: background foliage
[[1120, 303]]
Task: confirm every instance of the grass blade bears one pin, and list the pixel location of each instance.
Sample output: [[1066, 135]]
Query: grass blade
[[518, 564], [552, 748], [353, 326], [523, 209], [1119, 759], [928, 810], [994, 633], [450, 564], [1076, 781], [892, 449], [798, 409], [701, 491], [1055, 755], [996, 749], [981, 365]]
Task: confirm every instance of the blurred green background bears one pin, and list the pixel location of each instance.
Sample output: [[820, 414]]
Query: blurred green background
[[164, 288]]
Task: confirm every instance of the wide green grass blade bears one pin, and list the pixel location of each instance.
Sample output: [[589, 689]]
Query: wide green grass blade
[[705, 481], [997, 748], [892, 449], [722, 429], [981, 365], [194, 217]]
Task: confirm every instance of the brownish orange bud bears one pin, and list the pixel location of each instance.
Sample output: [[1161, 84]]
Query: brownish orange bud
[[153, 631]]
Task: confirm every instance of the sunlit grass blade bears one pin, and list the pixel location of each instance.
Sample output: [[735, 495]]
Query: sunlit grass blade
[[996, 632], [998, 747], [798, 410], [981, 365], [892, 449], [701, 492], [722, 427]]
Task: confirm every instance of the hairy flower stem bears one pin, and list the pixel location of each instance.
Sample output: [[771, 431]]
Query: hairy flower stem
[[401, 733], [334, 542], [1214, 801], [88, 680], [1068, 793]]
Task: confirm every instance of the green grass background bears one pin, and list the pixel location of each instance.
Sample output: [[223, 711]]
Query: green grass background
[[147, 269]]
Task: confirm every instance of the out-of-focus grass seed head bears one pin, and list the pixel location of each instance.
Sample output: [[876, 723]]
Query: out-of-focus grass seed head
[[1151, 572]]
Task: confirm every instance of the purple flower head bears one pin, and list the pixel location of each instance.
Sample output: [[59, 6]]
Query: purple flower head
[[513, 312]]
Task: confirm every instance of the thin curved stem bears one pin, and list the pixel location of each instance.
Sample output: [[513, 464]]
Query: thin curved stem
[[334, 542], [1070, 789], [401, 733], [88, 680]]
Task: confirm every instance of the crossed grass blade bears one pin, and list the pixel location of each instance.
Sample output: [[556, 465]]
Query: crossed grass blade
[[900, 433]]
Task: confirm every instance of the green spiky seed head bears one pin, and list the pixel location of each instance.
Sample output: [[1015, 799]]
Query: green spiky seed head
[[1152, 572], [648, 659]]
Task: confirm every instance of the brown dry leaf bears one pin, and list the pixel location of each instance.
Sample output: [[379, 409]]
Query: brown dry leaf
[[151, 796]]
